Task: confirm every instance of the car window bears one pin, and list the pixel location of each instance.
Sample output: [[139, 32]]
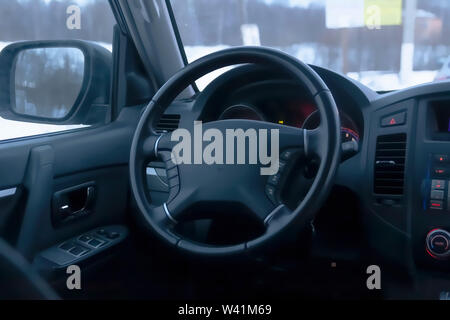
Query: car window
[[385, 44], [23, 20]]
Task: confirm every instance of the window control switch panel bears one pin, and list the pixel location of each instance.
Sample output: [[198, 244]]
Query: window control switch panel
[[83, 246]]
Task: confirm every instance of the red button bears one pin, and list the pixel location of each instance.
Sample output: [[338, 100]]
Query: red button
[[441, 158], [436, 205]]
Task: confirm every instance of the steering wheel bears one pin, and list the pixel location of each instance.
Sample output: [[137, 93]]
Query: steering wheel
[[215, 184]]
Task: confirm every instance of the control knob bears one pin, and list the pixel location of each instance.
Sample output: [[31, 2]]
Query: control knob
[[438, 243]]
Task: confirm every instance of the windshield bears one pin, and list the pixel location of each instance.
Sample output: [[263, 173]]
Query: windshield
[[385, 44]]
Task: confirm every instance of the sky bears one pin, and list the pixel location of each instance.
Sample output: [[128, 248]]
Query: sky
[[295, 3]]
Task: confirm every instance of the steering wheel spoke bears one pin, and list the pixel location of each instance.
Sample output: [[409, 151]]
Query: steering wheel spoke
[[148, 149], [316, 142], [153, 145]]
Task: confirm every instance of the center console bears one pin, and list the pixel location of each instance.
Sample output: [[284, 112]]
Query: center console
[[408, 198], [430, 214]]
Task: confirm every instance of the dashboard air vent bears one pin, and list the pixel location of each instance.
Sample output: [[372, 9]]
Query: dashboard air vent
[[390, 164], [168, 123]]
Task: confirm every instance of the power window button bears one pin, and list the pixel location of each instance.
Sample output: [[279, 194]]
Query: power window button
[[113, 235], [78, 251], [85, 238], [95, 243], [102, 232], [67, 246]]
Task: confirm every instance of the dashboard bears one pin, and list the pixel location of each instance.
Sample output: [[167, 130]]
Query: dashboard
[[295, 112], [281, 101]]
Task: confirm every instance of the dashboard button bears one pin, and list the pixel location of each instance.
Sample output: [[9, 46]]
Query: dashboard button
[[437, 194], [438, 243], [438, 184], [448, 199], [440, 172], [288, 154], [436, 205], [394, 120], [441, 158]]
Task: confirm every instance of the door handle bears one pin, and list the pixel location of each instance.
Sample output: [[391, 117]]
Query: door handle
[[73, 202]]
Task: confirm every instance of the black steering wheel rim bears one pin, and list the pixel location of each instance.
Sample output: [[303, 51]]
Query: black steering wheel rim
[[326, 141]]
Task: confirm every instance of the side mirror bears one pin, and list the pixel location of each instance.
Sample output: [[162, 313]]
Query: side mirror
[[56, 82]]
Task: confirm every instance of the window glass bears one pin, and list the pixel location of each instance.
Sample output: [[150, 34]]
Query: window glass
[[385, 44]]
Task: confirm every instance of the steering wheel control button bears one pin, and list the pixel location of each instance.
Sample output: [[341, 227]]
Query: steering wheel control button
[[172, 173], [173, 192], [438, 184], [397, 119], [174, 182], [438, 243], [274, 179], [170, 164], [288, 154], [437, 194], [270, 192]]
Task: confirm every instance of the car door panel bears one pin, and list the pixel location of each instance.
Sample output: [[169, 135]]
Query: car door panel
[[37, 167]]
